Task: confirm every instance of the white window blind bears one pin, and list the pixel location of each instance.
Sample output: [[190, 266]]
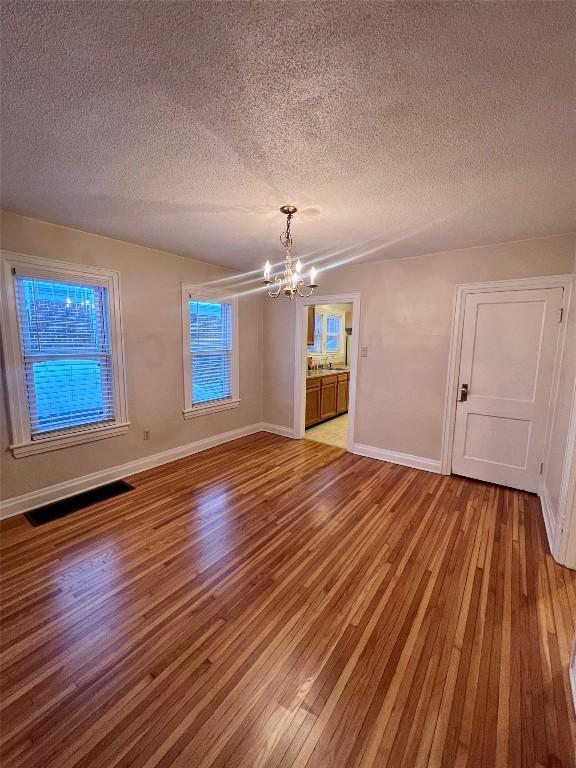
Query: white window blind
[[328, 333], [334, 330], [66, 352], [211, 341]]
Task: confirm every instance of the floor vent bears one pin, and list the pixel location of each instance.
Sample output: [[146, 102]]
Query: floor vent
[[81, 501]]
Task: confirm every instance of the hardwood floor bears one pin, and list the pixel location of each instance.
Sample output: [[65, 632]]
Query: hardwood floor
[[283, 603]]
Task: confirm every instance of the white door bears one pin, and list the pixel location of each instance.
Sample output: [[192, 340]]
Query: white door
[[509, 343]]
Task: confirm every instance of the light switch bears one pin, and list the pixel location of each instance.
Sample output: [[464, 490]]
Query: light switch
[[363, 351]]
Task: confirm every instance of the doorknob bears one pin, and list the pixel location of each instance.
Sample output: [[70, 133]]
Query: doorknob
[[463, 393]]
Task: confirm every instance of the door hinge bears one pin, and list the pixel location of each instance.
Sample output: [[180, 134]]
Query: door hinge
[[541, 467], [561, 314], [13, 270]]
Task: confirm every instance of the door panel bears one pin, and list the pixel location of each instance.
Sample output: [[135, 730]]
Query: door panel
[[497, 439], [508, 369], [342, 405], [328, 398], [508, 349], [312, 405]]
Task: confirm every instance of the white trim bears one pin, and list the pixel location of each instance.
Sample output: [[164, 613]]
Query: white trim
[[405, 459], [21, 442], [19, 504], [65, 441], [566, 535], [277, 429], [215, 407], [189, 290], [549, 516], [462, 290], [572, 672], [300, 353]]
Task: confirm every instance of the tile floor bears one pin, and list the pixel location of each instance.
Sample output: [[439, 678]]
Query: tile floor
[[333, 432]]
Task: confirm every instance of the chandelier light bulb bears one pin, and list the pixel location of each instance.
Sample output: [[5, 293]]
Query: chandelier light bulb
[[298, 266], [312, 275], [267, 271]]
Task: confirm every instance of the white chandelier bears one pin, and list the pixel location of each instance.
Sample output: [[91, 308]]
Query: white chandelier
[[291, 281]]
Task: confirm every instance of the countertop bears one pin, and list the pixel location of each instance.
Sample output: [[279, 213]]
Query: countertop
[[318, 373]]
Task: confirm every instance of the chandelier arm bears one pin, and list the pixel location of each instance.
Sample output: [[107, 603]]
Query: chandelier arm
[[305, 295], [275, 293]]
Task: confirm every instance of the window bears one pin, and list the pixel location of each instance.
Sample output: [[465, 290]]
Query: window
[[63, 350], [318, 325], [210, 352], [334, 334], [328, 333]]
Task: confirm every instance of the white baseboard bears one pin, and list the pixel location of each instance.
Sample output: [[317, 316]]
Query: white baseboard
[[406, 459], [276, 429], [549, 517], [572, 672], [19, 504]]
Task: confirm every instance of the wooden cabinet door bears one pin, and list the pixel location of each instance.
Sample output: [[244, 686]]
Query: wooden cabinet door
[[312, 405], [329, 396], [342, 402], [310, 332]]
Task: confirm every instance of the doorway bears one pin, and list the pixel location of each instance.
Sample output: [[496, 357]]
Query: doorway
[[502, 380], [325, 369], [329, 328]]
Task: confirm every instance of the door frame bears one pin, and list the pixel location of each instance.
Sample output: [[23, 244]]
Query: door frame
[[565, 542], [300, 337], [462, 291]]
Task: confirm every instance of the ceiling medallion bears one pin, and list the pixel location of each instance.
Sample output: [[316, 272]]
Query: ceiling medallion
[[290, 282]]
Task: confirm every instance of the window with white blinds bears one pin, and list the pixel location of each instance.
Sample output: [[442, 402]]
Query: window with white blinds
[[334, 334], [62, 339], [211, 354], [210, 351], [66, 353], [329, 333]]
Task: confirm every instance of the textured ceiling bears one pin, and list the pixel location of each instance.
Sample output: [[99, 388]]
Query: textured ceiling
[[397, 128]]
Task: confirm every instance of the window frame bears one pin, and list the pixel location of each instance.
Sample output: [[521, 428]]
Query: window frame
[[324, 333], [340, 336], [199, 293], [22, 443]]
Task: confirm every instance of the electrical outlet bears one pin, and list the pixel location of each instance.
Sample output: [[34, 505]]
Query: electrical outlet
[[363, 351], [146, 434]]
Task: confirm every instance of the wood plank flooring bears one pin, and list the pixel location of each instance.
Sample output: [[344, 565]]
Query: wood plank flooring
[[283, 603]]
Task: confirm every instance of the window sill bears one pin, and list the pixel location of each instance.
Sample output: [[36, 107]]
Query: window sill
[[44, 444], [203, 410]]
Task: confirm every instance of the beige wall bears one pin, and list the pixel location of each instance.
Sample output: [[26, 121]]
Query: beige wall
[[151, 316], [406, 315]]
